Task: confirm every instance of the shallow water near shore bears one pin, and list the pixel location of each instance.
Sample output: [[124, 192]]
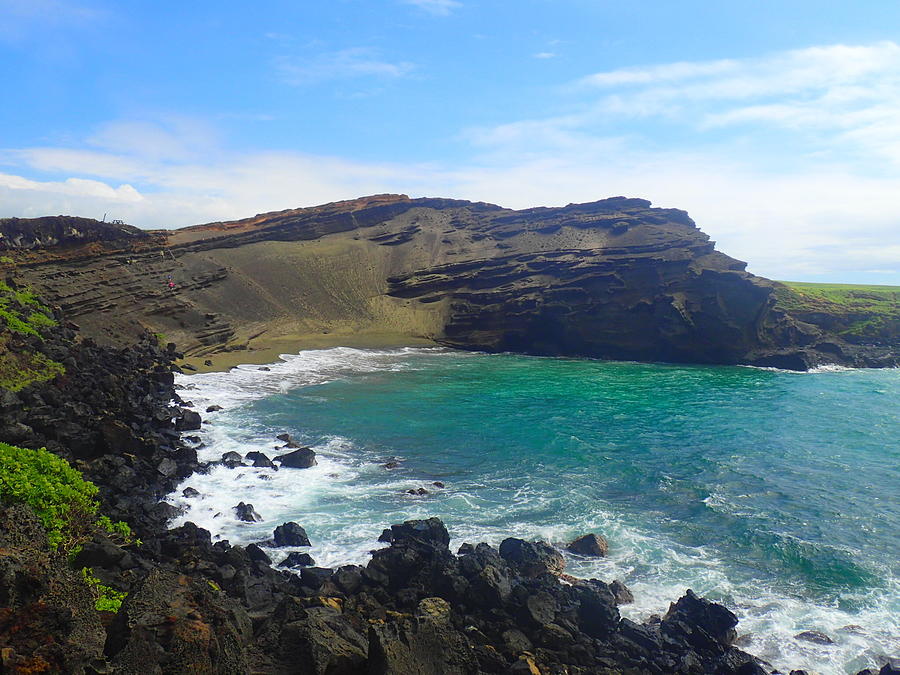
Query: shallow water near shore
[[772, 492]]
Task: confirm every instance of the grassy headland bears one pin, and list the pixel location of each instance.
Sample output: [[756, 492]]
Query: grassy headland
[[858, 313]]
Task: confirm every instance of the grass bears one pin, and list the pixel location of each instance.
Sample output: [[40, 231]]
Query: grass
[[857, 312]]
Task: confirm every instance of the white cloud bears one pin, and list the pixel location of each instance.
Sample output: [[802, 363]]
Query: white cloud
[[838, 97], [344, 64], [439, 7], [544, 55]]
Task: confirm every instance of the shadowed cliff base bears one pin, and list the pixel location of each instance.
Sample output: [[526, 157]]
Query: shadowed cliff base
[[612, 279]]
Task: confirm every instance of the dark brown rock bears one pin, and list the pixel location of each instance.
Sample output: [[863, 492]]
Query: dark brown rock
[[290, 534], [590, 545], [299, 459]]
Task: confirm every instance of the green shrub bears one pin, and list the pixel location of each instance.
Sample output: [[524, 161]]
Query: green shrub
[[18, 369], [106, 599], [64, 502], [22, 312]]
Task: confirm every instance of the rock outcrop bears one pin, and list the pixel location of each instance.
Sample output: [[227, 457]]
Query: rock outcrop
[[611, 279]]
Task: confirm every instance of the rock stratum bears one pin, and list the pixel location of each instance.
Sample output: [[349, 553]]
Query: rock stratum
[[614, 279]]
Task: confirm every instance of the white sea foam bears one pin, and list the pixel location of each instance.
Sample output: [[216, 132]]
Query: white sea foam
[[346, 500]]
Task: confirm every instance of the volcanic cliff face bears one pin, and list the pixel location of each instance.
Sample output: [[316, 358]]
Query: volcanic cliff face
[[612, 279]]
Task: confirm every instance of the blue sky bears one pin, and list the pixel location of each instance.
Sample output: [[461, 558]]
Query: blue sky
[[775, 124]]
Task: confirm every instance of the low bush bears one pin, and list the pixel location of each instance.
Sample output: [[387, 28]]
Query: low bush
[[64, 502], [106, 599]]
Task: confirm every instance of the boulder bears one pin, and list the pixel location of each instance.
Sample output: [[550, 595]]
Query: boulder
[[532, 559], [214, 408], [259, 460], [256, 554], [621, 593], [232, 459], [190, 492], [299, 459], [247, 513], [430, 532], [297, 560], [590, 545], [314, 577], [814, 636], [700, 622], [291, 534], [188, 420]]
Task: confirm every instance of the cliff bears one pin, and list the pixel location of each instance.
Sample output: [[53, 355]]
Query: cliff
[[610, 279]]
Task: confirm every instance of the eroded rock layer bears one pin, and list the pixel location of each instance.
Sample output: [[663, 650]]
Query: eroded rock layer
[[611, 279]]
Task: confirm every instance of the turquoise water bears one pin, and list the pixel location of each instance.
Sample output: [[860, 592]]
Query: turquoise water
[[773, 492]]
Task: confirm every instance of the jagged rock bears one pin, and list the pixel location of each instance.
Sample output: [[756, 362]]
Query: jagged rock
[[431, 532], [298, 560], [260, 460], [299, 459], [314, 577], [703, 621], [621, 593], [590, 545], [532, 558], [232, 459], [290, 534], [176, 624], [190, 492], [426, 644], [348, 578], [256, 554], [246, 512], [188, 421], [213, 408], [286, 438]]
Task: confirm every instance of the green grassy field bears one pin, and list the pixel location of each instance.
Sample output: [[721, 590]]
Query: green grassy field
[[859, 313]]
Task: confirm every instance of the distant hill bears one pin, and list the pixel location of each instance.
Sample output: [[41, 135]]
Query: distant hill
[[615, 278]]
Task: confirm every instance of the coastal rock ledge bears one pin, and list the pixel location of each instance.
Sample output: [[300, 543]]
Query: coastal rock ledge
[[612, 279]]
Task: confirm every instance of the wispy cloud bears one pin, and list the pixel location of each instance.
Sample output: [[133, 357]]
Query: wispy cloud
[[439, 7], [544, 55], [23, 18], [357, 62], [837, 95]]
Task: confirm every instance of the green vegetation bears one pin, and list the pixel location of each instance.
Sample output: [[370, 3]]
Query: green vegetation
[[22, 314], [106, 599], [856, 312], [64, 502]]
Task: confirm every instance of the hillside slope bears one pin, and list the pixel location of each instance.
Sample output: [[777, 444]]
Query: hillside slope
[[611, 279]]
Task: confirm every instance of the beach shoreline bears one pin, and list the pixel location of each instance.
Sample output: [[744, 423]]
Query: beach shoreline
[[264, 349]]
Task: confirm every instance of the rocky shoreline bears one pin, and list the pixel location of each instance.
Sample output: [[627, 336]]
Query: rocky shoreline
[[197, 606]]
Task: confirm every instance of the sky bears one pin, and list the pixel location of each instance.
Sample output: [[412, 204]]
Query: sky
[[775, 124]]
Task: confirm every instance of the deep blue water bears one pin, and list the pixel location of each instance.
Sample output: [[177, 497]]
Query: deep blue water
[[773, 492]]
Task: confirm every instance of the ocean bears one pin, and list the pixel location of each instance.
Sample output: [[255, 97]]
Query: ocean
[[773, 492]]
